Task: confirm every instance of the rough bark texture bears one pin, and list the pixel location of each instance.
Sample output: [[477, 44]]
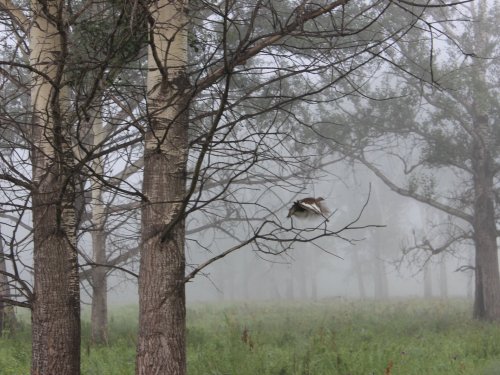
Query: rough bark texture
[[56, 307], [56, 303], [487, 298], [161, 347]]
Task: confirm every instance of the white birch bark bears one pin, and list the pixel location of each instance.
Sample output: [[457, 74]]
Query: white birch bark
[[56, 304]]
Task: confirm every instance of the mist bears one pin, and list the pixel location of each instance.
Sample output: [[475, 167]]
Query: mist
[[372, 263]]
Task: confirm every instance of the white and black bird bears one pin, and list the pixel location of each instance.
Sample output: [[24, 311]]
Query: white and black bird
[[309, 208]]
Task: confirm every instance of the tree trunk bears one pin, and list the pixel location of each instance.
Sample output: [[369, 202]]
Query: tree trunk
[[4, 288], [356, 267], [470, 274], [443, 278], [301, 265], [289, 289], [2, 313], [99, 276], [161, 346], [427, 281], [380, 284], [7, 315], [484, 150], [56, 303], [379, 240], [487, 278], [314, 275], [99, 279]]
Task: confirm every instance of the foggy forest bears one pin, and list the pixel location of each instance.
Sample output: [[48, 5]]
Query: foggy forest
[[282, 187]]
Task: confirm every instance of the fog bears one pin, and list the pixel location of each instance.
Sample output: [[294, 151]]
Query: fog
[[366, 263]]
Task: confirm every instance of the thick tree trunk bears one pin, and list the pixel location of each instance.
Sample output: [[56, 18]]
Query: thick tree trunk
[[56, 306], [484, 150], [161, 346], [56, 303], [487, 292]]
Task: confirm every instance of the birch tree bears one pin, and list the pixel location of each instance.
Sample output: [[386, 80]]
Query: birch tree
[[161, 344], [56, 303]]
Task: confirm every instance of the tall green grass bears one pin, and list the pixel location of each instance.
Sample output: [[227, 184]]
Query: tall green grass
[[404, 337]]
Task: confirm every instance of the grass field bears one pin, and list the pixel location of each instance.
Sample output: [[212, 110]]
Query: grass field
[[403, 337]]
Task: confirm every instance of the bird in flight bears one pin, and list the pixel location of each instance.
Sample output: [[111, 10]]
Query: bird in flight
[[308, 208]]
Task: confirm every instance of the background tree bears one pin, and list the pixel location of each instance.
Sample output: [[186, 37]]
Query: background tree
[[8, 320], [122, 30], [440, 130]]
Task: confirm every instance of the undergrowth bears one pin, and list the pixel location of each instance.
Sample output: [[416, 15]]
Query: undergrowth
[[402, 337]]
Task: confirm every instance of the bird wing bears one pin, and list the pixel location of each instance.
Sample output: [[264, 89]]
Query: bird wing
[[311, 207]]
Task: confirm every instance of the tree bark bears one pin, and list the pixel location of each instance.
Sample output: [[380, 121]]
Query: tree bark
[[99, 276], [56, 302], [99, 311], [161, 346], [487, 277], [7, 315]]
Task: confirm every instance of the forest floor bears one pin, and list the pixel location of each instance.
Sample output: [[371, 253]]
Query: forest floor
[[345, 337]]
